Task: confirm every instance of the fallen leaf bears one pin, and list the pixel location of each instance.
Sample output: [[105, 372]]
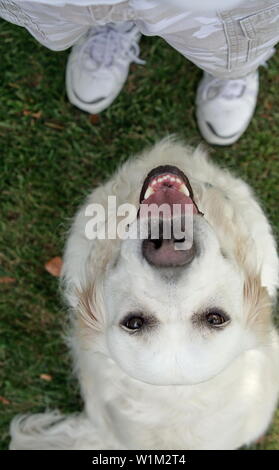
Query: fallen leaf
[[46, 377], [7, 280], [14, 85], [35, 80], [267, 105], [94, 118], [4, 401], [54, 125], [36, 115], [261, 439], [54, 266]]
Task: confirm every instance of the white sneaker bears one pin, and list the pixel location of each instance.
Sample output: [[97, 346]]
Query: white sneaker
[[98, 65], [225, 107]]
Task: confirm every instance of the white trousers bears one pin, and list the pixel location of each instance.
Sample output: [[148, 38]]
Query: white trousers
[[227, 43]]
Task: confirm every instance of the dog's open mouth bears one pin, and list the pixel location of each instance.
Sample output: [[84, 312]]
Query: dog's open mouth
[[168, 185], [168, 241]]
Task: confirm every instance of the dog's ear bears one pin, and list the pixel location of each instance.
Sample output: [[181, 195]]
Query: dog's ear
[[257, 305], [90, 307]]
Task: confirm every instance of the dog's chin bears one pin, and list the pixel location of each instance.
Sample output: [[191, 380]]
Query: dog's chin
[[167, 378], [172, 381]]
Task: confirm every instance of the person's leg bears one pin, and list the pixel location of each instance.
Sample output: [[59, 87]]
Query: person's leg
[[56, 28], [104, 40], [228, 46]]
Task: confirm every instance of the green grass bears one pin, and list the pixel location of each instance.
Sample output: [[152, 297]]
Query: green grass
[[49, 164]]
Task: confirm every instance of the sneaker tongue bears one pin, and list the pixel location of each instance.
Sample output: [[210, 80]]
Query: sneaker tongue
[[125, 27], [99, 55], [228, 89]]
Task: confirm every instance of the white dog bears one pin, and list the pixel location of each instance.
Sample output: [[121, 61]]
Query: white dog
[[174, 348]]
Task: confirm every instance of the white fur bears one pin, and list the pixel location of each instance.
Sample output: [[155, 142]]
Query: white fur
[[179, 387]]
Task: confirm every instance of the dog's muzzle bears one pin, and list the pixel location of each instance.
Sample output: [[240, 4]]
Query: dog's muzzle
[[167, 207]]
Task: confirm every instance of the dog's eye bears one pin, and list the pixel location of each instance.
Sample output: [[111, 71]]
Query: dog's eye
[[216, 318], [133, 322]]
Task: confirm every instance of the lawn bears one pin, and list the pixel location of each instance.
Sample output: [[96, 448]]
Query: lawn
[[52, 154]]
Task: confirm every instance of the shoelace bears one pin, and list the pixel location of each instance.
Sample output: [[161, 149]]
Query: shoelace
[[106, 43], [228, 89]]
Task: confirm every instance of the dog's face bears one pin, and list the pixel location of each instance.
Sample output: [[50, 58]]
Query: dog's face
[[174, 316]]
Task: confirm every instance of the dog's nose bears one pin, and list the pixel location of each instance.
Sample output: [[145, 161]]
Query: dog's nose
[[167, 253]]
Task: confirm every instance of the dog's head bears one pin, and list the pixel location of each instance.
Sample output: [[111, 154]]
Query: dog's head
[[178, 309]]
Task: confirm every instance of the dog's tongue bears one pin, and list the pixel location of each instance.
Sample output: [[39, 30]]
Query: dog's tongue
[[170, 196]]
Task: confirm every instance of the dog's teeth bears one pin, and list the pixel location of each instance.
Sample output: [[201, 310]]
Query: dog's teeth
[[151, 188], [148, 192], [184, 190]]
